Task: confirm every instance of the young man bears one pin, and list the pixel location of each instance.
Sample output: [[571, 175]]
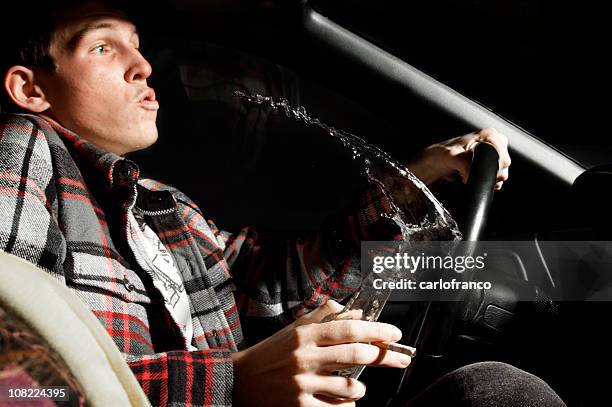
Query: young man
[[180, 298]]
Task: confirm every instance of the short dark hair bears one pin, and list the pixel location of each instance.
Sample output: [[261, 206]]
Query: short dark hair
[[26, 40]]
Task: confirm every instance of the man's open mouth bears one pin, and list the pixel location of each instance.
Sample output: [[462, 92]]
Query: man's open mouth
[[147, 100]]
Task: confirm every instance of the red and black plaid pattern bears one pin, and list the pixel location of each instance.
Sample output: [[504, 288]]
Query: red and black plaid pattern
[[64, 206]]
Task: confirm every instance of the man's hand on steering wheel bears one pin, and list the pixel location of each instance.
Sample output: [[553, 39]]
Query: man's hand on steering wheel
[[452, 158]]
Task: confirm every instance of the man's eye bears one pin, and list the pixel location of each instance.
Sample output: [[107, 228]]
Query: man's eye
[[100, 49]]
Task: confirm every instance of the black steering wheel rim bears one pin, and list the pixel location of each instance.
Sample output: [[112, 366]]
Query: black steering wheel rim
[[480, 188]]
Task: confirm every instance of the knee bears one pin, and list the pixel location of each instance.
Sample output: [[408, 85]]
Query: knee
[[500, 384]]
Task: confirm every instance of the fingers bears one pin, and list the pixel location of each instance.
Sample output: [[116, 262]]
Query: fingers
[[337, 332], [464, 163], [323, 401], [339, 357], [500, 143], [443, 161], [329, 402], [340, 316], [317, 315], [502, 176], [334, 387]]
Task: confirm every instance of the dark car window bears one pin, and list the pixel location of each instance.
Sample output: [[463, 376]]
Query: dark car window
[[248, 164], [503, 54]]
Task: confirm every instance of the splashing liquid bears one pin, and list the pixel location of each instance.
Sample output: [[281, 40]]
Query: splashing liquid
[[378, 167], [432, 223]]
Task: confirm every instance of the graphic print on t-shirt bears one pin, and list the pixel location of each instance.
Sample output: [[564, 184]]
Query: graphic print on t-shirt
[[160, 265], [160, 261]]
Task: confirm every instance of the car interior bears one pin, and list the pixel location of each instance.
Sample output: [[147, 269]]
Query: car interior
[[245, 164], [38, 341]]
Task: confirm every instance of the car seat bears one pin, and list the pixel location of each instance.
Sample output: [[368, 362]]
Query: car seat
[[64, 335]]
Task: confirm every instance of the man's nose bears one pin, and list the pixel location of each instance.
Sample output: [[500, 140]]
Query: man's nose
[[139, 69]]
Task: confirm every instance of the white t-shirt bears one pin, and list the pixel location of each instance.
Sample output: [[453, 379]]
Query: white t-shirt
[[158, 262]]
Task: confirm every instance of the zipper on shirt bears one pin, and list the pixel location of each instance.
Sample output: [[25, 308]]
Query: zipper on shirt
[[135, 252], [155, 213]]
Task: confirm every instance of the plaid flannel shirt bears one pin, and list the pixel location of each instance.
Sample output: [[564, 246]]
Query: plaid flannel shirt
[[64, 206]]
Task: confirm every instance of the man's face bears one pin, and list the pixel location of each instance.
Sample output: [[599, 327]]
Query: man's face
[[100, 90]]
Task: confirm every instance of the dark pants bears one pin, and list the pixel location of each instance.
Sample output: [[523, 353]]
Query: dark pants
[[487, 384]]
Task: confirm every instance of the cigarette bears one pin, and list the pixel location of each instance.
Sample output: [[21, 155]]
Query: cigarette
[[397, 347]]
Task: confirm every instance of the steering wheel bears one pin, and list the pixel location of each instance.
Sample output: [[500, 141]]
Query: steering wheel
[[439, 318], [480, 187]]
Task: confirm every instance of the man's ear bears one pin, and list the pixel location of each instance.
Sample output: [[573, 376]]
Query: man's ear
[[21, 87]]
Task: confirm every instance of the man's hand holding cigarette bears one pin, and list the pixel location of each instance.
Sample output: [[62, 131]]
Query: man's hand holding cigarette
[[297, 364]]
